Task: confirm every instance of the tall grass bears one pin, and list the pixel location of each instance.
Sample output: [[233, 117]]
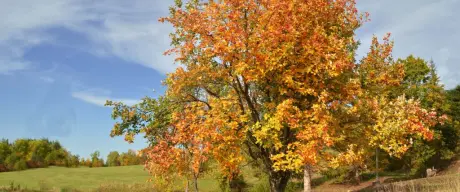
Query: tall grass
[[448, 183]]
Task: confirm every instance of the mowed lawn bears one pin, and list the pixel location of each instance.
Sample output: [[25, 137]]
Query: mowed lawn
[[85, 178]]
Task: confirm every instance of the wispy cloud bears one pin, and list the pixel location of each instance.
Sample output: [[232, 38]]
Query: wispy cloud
[[8, 66], [94, 98], [129, 31], [23, 26]]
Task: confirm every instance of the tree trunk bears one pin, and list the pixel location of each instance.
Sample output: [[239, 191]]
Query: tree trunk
[[307, 179], [357, 177], [195, 182], [187, 184], [278, 181]]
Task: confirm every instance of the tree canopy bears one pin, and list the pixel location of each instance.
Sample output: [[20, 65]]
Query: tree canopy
[[275, 83]]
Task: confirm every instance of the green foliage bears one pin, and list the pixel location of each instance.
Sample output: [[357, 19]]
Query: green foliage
[[34, 153], [150, 116], [113, 159], [39, 151], [422, 82], [96, 161], [452, 130], [21, 148], [11, 160], [454, 98], [20, 165], [57, 157], [73, 161], [129, 158], [5, 150]]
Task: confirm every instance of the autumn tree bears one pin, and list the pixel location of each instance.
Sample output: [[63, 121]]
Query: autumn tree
[[129, 158], [153, 117], [274, 82], [421, 82], [87, 162], [73, 160], [96, 160]]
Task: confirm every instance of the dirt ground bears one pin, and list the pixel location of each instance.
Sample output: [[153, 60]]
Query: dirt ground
[[331, 187]]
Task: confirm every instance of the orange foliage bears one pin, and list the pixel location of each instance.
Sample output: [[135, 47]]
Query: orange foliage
[[276, 81]]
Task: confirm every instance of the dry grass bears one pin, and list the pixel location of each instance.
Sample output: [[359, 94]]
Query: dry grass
[[448, 183], [125, 187]]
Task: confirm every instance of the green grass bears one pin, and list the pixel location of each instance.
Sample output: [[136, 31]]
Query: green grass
[[89, 179], [134, 179], [86, 179], [107, 179], [83, 178]]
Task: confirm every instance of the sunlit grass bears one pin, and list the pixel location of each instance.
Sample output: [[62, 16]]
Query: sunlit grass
[[91, 179], [448, 183], [79, 178]]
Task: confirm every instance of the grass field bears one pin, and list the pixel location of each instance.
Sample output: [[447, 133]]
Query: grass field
[[86, 179], [134, 179], [78, 178]]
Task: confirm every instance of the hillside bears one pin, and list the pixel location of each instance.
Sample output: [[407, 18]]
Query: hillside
[[79, 178], [84, 178], [101, 179]]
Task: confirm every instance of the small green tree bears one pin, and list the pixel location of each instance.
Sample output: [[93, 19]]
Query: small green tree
[[20, 165], [39, 149], [21, 148], [421, 82], [5, 150], [11, 160], [96, 161], [113, 159], [57, 157], [72, 160], [452, 131]]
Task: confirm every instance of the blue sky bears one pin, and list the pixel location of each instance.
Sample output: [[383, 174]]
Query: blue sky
[[61, 59]]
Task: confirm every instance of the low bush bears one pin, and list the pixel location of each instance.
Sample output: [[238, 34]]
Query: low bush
[[20, 165]]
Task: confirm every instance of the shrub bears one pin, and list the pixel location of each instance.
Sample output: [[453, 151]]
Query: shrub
[[3, 168], [20, 165], [33, 164], [10, 161]]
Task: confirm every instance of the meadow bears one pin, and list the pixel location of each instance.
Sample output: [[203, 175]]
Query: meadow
[[134, 179], [82, 178], [94, 179]]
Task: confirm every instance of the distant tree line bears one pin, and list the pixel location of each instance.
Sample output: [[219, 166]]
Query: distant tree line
[[34, 153], [38, 153], [114, 158]]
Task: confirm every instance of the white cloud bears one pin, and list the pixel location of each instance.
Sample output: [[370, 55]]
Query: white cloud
[[129, 30], [22, 27], [99, 99], [125, 29], [425, 28]]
